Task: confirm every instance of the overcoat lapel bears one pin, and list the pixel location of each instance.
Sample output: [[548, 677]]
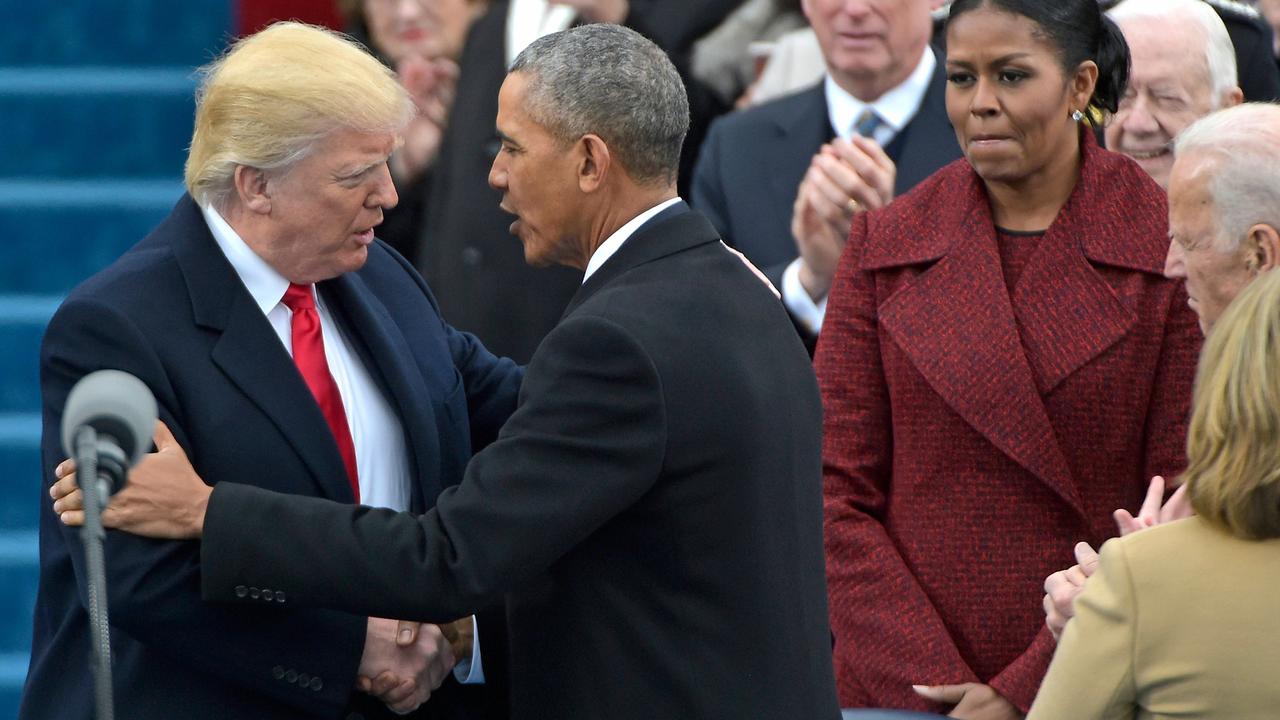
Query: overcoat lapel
[[670, 231], [386, 353], [249, 353], [1067, 313], [993, 358], [974, 359]]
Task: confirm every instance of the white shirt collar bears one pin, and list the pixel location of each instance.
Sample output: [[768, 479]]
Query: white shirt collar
[[619, 236], [261, 280], [895, 108]]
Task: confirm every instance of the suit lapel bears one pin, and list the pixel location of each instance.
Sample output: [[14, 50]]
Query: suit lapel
[[390, 361], [785, 161], [249, 353], [928, 140], [956, 325]]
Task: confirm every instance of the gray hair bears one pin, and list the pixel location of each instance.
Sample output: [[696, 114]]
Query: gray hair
[[1242, 145], [1219, 53], [612, 82]]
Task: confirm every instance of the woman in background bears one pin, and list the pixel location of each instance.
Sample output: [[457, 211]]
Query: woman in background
[[1002, 365]]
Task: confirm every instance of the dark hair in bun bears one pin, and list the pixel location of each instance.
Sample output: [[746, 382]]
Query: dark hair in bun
[[1080, 31]]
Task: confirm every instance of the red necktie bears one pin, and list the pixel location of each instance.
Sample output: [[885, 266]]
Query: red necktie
[[308, 355]]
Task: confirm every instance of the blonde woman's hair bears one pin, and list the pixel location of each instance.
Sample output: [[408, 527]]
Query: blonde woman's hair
[[276, 94], [1233, 443]]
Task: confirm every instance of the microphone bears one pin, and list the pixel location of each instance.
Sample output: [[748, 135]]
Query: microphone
[[106, 427], [121, 411]]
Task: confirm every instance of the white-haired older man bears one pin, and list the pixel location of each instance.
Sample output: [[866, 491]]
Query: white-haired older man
[[1224, 228], [1182, 68]]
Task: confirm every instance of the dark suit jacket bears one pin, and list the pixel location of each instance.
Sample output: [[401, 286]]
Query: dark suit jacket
[[173, 312], [753, 161], [652, 509], [972, 439]]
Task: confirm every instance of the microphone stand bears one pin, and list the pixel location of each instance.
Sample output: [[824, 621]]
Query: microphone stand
[[96, 482]]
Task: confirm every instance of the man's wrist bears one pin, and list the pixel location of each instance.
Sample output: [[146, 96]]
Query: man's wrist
[[199, 510], [816, 287]]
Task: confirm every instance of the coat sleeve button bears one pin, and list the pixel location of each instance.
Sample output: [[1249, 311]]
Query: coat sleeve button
[[241, 591]]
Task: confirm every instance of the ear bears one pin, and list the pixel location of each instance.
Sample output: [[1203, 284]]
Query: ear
[[595, 163], [1263, 245], [1231, 97], [251, 187], [1082, 84]]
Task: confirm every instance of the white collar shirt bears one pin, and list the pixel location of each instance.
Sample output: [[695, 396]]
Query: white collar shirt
[[896, 108]]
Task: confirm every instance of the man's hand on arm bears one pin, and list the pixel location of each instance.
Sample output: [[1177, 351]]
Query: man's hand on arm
[[972, 701], [164, 497]]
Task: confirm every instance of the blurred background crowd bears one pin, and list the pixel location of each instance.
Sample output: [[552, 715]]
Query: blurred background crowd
[[797, 131]]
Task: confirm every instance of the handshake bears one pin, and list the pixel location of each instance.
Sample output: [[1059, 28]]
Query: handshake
[[404, 661]]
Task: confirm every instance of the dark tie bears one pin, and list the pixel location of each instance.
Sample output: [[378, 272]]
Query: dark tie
[[308, 355], [867, 123]]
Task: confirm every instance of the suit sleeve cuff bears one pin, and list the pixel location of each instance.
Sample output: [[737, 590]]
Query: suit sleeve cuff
[[471, 670], [797, 300]]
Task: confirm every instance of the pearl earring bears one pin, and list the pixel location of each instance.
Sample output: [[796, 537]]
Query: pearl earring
[[1077, 115]]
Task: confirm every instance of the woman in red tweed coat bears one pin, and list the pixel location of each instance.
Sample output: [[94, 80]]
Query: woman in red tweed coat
[[1002, 365]]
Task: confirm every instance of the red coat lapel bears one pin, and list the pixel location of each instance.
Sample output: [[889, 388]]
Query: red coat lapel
[[956, 324]]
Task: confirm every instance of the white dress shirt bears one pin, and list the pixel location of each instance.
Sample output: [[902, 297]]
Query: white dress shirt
[[896, 109]]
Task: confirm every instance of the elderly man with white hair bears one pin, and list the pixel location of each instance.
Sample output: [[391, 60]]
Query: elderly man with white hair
[[1183, 67], [1224, 225]]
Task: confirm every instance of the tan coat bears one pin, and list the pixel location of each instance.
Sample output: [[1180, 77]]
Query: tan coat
[[1179, 621]]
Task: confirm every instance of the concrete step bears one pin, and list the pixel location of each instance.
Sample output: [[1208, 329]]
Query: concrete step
[[107, 122], [58, 233], [22, 322], [92, 32], [13, 672], [21, 479], [20, 577]]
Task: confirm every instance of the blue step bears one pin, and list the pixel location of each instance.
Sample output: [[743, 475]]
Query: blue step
[[22, 323], [13, 671], [58, 233], [20, 474], [20, 577], [92, 32], [108, 122]]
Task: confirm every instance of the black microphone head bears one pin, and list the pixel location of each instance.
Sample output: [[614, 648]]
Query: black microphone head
[[115, 404]]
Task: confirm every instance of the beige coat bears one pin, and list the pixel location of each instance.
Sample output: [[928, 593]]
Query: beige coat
[[1182, 620]]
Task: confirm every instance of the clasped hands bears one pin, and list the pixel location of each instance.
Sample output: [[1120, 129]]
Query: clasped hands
[[1062, 587], [404, 661], [844, 178]]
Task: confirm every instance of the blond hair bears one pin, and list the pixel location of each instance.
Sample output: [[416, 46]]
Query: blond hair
[[276, 94], [1233, 443]]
